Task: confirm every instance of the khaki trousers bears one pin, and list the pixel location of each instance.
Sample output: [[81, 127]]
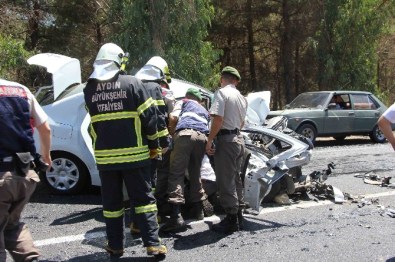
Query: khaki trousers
[[15, 192], [228, 157], [188, 153]]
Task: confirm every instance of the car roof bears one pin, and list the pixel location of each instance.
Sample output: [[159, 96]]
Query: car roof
[[340, 92], [179, 87]]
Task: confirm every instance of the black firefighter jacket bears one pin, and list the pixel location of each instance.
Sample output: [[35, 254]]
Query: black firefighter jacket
[[123, 122]]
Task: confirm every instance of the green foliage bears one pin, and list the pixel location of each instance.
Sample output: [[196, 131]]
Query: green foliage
[[12, 56], [314, 45], [77, 29], [174, 29], [347, 43]]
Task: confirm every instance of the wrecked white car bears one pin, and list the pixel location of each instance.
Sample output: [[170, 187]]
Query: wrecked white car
[[73, 164]]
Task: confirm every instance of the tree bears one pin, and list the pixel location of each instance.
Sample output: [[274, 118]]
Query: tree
[[173, 29], [347, 42], [12, 56]]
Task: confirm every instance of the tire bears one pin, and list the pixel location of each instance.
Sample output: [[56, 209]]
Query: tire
[[339, 138], [308, 131], [68, 175], [298, 136], [376, 135]]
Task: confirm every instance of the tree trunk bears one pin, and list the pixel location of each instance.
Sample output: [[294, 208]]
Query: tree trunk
[[253, 84], [287, 52], [33, 26]]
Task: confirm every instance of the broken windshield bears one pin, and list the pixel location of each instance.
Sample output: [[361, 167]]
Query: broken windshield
[[310, 100]]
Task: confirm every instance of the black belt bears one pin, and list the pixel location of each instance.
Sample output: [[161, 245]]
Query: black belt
[[222, 132], [7, 166]]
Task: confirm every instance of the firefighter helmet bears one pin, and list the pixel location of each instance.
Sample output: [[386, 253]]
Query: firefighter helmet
[[155, 69], [110, 52], [104, 66]]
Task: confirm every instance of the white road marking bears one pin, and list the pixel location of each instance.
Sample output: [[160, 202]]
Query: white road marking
[[58, 240], [266, 210]]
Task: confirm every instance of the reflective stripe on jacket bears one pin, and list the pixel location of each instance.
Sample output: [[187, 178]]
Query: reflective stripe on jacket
[[156, 93], [123, 122]]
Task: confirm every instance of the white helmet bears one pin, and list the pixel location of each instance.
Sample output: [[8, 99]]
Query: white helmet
[[110, 52], [155, 69], [104, 66]]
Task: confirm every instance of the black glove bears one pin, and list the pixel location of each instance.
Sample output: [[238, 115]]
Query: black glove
[[40, 165]]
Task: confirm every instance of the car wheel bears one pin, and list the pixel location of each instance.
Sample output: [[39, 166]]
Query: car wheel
[[377, 136], [339, 138], [68, 175], [308, 131]]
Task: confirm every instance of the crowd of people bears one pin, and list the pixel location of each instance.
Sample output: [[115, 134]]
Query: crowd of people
[[160, 144]]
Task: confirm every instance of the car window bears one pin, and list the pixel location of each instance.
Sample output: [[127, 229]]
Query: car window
[[206, 101], [44, 95], [310, 100], [363, 102], [341, 101], [71, 90]]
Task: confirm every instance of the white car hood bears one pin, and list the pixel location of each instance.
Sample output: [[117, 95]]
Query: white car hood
[[65, 70], [258, 108]]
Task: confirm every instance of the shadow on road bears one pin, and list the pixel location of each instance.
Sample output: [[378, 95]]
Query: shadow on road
[[209, 237], [78, 217], [43, 195], [352, 140]]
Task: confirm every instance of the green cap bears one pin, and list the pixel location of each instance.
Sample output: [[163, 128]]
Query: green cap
[[232, 71], [195, 92]]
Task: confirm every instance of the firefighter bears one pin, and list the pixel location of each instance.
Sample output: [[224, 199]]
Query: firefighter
[[19, 110], [124, 131], [156, 71], [153, 78]]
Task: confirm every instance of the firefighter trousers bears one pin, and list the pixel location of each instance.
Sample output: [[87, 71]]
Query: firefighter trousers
[[138, 185]]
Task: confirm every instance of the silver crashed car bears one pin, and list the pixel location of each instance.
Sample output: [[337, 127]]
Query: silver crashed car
[[273, 151]]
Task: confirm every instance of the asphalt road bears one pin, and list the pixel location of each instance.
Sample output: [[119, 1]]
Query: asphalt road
[[71, 228]]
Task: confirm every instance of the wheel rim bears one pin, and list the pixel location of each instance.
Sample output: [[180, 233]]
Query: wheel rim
[[379, 135], [308, 133], [63, 175]]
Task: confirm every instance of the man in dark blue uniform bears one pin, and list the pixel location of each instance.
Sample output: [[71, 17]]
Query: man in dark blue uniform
[[19, 113]]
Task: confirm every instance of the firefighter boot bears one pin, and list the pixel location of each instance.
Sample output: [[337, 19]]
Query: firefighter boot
[[115, 253], [176, 222], [159, 252], [240, 219], [228, 225]]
